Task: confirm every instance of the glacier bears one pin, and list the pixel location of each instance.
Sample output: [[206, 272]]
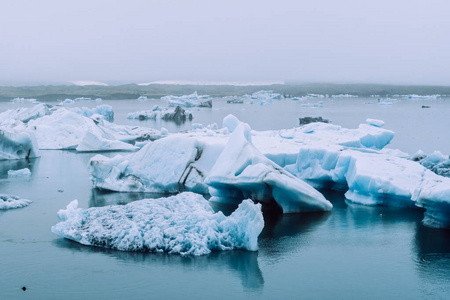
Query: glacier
[[183, 224], [12, 201]]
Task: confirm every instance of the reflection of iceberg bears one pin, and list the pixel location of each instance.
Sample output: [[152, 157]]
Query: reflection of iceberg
[[181, 224], [432, 247], [242, 264]]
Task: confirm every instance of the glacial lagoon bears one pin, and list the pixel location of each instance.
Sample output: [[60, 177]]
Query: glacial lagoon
[[352, 252]]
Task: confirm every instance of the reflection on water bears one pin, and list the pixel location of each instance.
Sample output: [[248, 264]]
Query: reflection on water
[[100, 198], [243, 263], [16, 164]]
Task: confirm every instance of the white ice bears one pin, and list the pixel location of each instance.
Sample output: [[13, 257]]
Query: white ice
[[11, 201], [183, 224], [19, 173], [252, 175]]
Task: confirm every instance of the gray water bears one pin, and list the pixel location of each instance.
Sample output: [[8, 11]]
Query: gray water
[[352, 252]]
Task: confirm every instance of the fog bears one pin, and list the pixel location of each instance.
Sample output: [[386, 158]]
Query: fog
[[385, 41]]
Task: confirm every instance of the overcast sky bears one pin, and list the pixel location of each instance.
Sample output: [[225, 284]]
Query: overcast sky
[[383, 41]]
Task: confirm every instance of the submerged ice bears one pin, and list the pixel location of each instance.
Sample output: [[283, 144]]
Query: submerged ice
[[182, 224]]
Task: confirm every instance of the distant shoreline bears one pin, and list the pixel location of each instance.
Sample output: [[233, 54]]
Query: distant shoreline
[[133, 91]]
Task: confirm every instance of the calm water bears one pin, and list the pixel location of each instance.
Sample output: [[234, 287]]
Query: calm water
[[352, 252]]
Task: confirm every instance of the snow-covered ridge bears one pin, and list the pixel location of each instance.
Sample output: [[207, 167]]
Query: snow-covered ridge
[[182, 224]]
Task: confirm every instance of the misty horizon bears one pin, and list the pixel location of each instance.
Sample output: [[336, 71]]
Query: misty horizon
[[53, 42]]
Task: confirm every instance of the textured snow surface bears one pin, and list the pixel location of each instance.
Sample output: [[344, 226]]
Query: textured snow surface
[[182, 224], [11, 201]]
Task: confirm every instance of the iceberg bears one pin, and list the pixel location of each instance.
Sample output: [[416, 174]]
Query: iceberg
[[24, 114], [17, 143], [170, 165], [178, 115], [183, 224], [19, 173], [436, 162], [64, 129], [254, 176], [104, 110], [11, 201], [192, 100]]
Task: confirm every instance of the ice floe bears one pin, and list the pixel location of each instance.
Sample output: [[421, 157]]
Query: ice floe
[[183, 224], [11, 201], [19, 173]]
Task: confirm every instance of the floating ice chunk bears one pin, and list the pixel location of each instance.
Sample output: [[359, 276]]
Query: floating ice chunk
[[375, 122], [104, 110], [65, 129], [142, 98], [17, 143], [11, 201], [19, 173], [183, 224], [189, 100], [169, 165], [177, 115], [344, 96], [241, 172]]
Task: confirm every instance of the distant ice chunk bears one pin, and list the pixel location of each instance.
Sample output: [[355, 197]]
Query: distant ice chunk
[[192, 100], [241, 172], [11, 201], [177, 115], [19, 173], [17, 143], [183, 224], [375, 122]]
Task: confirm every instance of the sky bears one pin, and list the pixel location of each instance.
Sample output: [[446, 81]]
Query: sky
[[338, 41]]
